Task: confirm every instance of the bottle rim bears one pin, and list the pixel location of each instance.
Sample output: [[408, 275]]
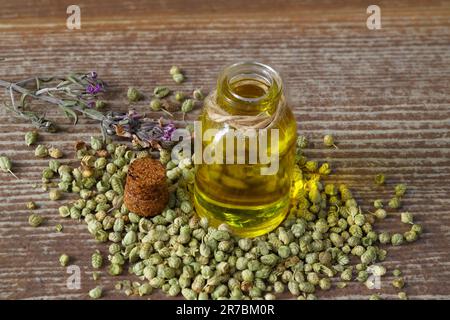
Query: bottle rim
[[257, 70]]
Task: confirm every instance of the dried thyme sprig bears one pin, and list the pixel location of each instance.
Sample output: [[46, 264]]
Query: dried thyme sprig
[[144, 132], [72, 93]]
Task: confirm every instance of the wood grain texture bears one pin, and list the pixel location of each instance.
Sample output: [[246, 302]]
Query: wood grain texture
[[384, 94]]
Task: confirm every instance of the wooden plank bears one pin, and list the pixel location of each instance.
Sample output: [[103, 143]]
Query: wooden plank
[[384, 94]]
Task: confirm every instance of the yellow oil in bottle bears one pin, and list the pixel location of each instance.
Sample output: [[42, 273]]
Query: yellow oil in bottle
[[238, 194]]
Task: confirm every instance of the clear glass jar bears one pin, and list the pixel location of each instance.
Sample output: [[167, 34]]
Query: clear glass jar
[[237, 192]]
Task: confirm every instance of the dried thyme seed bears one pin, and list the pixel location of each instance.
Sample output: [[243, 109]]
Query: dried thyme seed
[[180, 96], [402, 296], [394, 203], [178, 77], [380, 179], [155, 104], [55, 153], [396, 273], [378, 204], [400, 190], [31, 205], [96, 293], [54, 194], [6, 165], [31, 137], [134, 94], [398, 283], [161, 92], [174, 70], [35, 220], [328, 141], [406, 217], [41, 151], [64, 260], [97, 260], [197, 94]]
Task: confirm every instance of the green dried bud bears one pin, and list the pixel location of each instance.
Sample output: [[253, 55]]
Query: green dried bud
[[375, 297], [54, 165], [64, 211], [97, 260], [174, 70], [346, 275], [115, 269], [96, 293], [269, 259], [133, 94], [197, 94], [417, 228], [380, 214], [64, 260], [100, 163], [362, 276], [189, 294], [384, 237], [41, 151], [398, 283], [174, 290], [400, 190], [59, 228], [328, 141], [179, 96], [380, 179], [325, 169], [410, 236], [325, 284], [302, 142], [54, 194], [284, 252], [407, 217], [397, 239], [155, 104], [377, 270], [47, 173], [55, 153], [161, 92], [187, 105], [178, 77], [111, 168], [306, 287], [145, 289], [311, 166], [31, 137], [394, 203], [368, 257], [396, 273], [402, 296], [100, 104], [35, 220], [378, 204]]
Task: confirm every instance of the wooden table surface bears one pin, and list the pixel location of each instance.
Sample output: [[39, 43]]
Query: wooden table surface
[[383, 93]]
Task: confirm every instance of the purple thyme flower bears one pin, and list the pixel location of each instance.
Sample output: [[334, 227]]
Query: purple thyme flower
[[93, 75], [91, 89], [91, 104], [167, 132]]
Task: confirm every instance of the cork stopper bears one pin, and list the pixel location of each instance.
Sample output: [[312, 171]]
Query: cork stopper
[[146, 191]]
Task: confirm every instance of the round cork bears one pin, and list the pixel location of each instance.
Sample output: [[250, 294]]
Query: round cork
[[146, 191]]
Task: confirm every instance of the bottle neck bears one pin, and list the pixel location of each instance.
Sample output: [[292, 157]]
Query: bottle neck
[[249, 88]]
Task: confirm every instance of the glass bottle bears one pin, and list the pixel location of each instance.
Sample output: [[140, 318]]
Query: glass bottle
[[248, 107]]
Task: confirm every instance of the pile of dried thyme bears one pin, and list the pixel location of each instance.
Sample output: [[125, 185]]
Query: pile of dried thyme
[[326, 240]]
